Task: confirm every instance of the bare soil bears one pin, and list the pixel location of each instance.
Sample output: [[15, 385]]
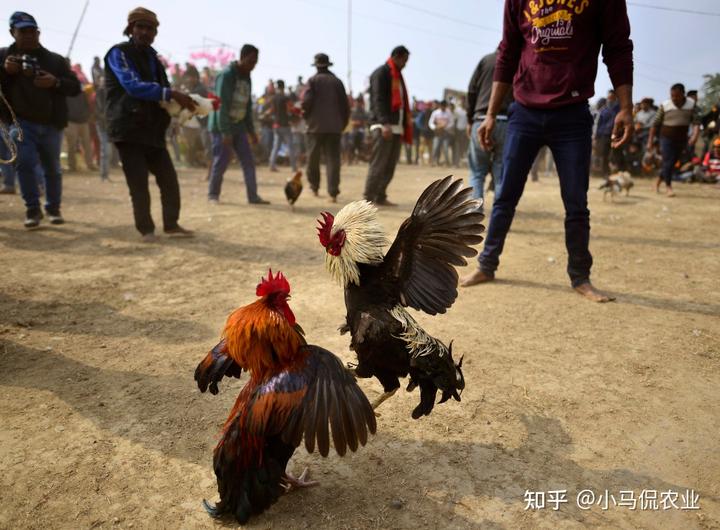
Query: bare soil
[[102, 426]]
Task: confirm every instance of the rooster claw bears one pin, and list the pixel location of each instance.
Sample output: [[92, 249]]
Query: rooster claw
[[213, 511], [289, 483]]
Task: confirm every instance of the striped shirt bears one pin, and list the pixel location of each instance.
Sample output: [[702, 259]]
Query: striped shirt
[[675, 121]]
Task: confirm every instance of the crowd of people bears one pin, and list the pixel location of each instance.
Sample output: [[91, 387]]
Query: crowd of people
[[113, 119]]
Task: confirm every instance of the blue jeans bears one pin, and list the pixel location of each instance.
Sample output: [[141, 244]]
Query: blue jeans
[[104, 151], [567, 131], [221, 159], [41, 145], [283, 135], [481, 162], [6, 170], [441, 140], [671, 152]]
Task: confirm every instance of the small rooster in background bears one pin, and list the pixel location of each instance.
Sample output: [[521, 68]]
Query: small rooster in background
[[417, 271], [616, 183], [295, 391], [293, 188]]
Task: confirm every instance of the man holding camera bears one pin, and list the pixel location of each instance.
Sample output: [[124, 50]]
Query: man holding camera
[[36, 83]]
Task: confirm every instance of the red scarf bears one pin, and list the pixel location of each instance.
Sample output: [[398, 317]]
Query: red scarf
[[396, 101]]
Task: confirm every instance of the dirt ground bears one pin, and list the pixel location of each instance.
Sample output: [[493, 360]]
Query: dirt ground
[[102, 426]]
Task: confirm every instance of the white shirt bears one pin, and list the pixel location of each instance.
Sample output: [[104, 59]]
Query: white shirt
[[441, 119]]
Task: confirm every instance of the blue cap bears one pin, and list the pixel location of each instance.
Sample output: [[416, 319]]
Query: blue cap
[[22, 20]]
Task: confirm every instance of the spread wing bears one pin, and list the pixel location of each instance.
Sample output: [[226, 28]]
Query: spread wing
[[216, 365], [316, 401], [438, 234]]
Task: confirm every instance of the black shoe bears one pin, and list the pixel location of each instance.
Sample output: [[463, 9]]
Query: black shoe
[[32, 218], [385, 202], [55, 217], [258, 200]]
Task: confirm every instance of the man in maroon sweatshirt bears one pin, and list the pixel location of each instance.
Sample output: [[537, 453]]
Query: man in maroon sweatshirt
[[549, 58]]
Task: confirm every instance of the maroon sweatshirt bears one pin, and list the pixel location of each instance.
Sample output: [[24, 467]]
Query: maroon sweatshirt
[[549, 50]]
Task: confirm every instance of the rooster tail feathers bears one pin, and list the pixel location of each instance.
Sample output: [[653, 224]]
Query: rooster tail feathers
[[216, 365]]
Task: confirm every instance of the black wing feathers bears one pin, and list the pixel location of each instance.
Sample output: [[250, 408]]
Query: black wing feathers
[[436, 237]]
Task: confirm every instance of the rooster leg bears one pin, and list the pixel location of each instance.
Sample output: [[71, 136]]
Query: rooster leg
[[289, 483], [383, 397]]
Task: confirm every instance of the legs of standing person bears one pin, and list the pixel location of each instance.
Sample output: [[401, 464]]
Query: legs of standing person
[[48, 148], [247, 162], [220, 161], [104, 148], [135, 167], [314, 146], [277, 142], [160, 164], [287, 136], [27, 162], [478, 162], [602, 144], [332, 161], [381, 150], [436, 144], [390, 165], [523, 140], [499, 134], [569, 137], [86, 144], [671, 152], [72, 134]]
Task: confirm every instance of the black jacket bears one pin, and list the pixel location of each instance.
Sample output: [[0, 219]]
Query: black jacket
[[325, 104], [131, 119], [381, 97], [46, 106], [480, 88]]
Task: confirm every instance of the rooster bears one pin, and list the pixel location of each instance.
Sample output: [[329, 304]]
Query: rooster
[[204, 106], [293, 188], [417, 271], [295, 391]]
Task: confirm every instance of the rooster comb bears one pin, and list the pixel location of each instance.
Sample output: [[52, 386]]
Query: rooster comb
[[325, 227], [273, 284]]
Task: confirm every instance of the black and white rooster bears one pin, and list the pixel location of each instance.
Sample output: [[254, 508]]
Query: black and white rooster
[[417, 271]]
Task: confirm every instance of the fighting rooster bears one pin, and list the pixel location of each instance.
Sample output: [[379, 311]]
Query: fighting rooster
[[295, 391], [417, 271], [293, 188]]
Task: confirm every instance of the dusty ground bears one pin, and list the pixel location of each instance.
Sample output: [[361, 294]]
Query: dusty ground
[[101, 425]]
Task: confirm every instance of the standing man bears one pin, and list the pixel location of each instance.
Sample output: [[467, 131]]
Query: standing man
[[674, 118], [548, 57], [232, 127], [280, 105], [77, 132], [442, 123], [36, 82], [391, 124], [482, 161], [136, 83], [326, 110]]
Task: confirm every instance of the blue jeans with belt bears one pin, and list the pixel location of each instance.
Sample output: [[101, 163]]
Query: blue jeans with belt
[[567, 131], [40, 146]]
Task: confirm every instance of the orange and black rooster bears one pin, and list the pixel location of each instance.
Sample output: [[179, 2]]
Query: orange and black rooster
[[417, 271], [293, 188], [296, 390]]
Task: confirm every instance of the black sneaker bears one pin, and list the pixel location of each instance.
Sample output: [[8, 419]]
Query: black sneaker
[[258, 200], [32, 218], [55, 217]]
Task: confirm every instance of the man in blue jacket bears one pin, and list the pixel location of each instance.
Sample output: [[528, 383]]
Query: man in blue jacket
[[136, 83]]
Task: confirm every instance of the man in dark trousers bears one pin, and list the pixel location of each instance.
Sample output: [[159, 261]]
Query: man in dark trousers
[[390, 124], [136, 83], [326, 110], [36, 83], [548, 57], [482, 161]]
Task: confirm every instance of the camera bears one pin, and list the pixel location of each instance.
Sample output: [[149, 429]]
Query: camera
[[29, 65]]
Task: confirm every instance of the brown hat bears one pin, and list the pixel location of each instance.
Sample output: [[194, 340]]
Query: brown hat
[[138, 14]]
